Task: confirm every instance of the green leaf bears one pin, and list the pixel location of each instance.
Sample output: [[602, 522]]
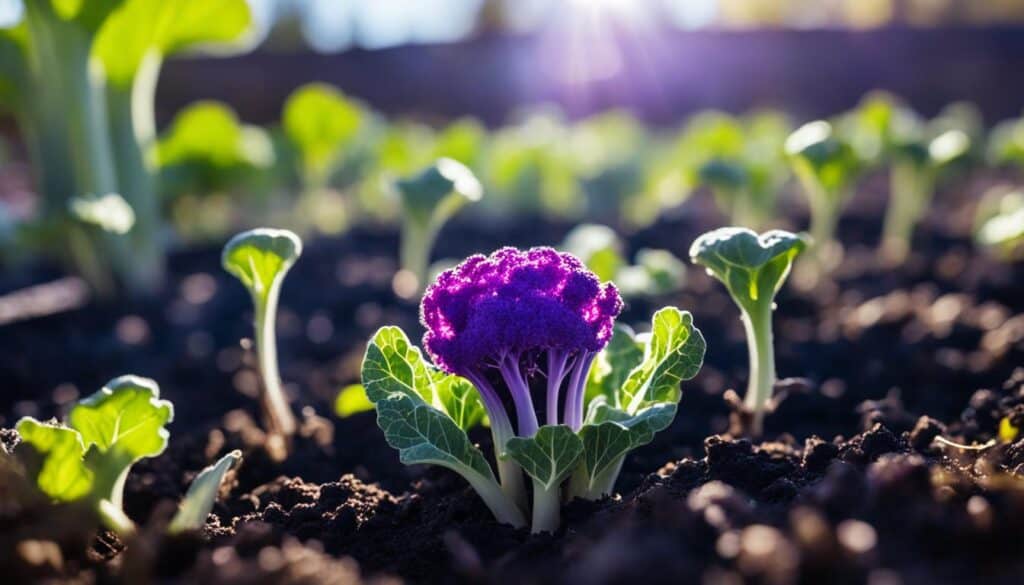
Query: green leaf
[[260, 258], [142, 27], [321, 123], [674, 352], [424, 435], [392, 366], [126, 416], [209, 133], [90, 14], [599, 247], [614, 363], [439, 191], [610, 434], [816, 151], [63, 474], [549, 456], [352, 400], [460, 400], [753, 267], [202, 494]]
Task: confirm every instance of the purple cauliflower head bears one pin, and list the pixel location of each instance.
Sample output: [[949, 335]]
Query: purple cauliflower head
[[512, 303]]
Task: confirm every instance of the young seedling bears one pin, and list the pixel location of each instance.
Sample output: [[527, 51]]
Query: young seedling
[[753, 268], [827, 167], [89, 458], [322, 126], [999, 222], [260, 259], [655, 272], [494, 325], [919, 163], [202, 494], [429, 200]]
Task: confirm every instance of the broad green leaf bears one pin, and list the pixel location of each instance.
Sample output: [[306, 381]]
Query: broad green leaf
[[392, 366], [352, 400], [321, 123], [753, 267], [462, 140], [209, 133], [614, 363], [202, 494], [126, 416], [440, 190], [599, 247], [816, 151], [63, 475], [674, 352], [549, 456], [89, 14], [139, 28], [424, 435], [460, 400], [260, 258], [610, 434]]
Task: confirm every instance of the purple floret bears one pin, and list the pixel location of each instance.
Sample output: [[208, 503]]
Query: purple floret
[[509, 309]]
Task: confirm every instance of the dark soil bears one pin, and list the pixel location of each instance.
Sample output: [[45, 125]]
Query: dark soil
[[850, 485]]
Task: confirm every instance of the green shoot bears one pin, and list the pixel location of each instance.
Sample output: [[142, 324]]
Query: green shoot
[[322, 126], [202, 494], [260, 259], [999, 222], [827, 167], [106, 433], [753, 268], [429, 200]]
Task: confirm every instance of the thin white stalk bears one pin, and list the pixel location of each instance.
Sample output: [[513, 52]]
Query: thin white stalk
[[547, 504], [279, 419], [758, 325]]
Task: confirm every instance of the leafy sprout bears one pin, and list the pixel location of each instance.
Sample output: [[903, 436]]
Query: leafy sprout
[[321, 123], [920, 161], [753, 268], [655, 272], [827, 167], [202, 494], [742, 164], [260, 259], [207, 149], [429, 200], [999, 222], [106, 433], [493, 324]]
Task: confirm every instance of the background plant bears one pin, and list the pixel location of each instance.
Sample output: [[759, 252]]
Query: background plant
[[80, 77]]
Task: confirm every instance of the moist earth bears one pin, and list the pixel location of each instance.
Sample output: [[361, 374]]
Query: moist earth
[[882, 462]]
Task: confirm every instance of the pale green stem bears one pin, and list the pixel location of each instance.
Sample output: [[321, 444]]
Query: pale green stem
[[114, 518], [417, 241], [504, 509], [581, 485], [133, 131], [758, 325], [278, 416], [547, 504], [909, 193]]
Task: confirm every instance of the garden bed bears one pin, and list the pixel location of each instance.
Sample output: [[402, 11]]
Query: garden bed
[[849, 485]]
